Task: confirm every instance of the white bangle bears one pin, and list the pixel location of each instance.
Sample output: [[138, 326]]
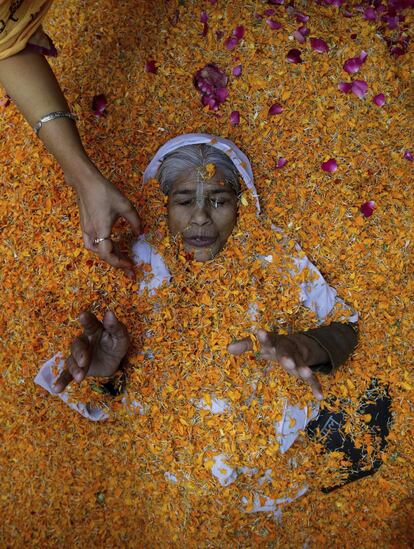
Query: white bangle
[[52, 116]]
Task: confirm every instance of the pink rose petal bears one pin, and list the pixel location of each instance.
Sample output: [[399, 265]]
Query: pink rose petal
[[359, 88], [299, 37], [274, 25], [281, 162], [370, 14], [353, 65], [151, 67], [345, 87], [408, 155], [319, 45], [238, 32], [379, 100], [211, 82], [301, 17], [237, 71], [293, 56], [367, 209], [231, 42], [330, 165], [205, 30], [235, 118], [222, 94], [275, 109], [99, 104]]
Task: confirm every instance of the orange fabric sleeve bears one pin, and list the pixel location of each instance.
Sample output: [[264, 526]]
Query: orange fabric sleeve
[[19, 19]]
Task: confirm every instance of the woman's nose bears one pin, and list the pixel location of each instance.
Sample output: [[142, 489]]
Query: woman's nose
[[200, 215]]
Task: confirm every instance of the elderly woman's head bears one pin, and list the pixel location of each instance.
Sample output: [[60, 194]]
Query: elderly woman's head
[[203, 187]]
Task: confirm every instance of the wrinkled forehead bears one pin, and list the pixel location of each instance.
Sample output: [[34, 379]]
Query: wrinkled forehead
[[196, 180]]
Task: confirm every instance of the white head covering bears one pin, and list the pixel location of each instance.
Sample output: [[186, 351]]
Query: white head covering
[[238, 158]]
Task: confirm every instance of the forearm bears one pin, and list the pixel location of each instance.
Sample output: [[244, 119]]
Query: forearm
[[30, 82], [330, 346]]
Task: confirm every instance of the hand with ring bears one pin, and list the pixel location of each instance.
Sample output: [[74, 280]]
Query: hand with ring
[[100, 205]]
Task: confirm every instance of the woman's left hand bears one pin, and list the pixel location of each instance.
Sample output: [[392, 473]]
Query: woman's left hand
[[100, 205], [292, 352]]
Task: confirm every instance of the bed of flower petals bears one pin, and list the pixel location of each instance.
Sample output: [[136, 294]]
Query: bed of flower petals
[[323, 93]]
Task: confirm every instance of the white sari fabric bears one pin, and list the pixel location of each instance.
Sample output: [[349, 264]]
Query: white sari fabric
[[317, 296]]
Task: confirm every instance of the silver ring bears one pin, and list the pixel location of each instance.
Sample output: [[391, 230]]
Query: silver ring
[[97, 241]]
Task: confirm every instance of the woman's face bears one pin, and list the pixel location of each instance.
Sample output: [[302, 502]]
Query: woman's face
[[204, 212]]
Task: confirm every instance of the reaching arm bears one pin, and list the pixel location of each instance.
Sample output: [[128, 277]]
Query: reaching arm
[[30, 82]]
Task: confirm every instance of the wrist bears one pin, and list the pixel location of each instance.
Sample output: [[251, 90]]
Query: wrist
[[81, 173], [316, 354]]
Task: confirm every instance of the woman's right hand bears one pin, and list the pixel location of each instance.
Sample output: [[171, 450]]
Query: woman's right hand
[[97, 352]]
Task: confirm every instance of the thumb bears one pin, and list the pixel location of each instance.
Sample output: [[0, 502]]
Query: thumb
[[241, 346], [113, 326]]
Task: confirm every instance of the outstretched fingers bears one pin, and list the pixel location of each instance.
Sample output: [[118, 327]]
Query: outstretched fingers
[[62, 381], [240, 347], [91, 325], [108, 251], [294, 365]]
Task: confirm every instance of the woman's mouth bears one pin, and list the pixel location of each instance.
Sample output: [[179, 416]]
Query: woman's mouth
[[200, 241]]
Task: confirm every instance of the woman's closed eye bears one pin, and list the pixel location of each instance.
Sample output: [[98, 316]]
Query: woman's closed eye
[[214, 202]]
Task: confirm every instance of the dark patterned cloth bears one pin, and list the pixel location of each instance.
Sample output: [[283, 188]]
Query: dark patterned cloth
[[328, 428]]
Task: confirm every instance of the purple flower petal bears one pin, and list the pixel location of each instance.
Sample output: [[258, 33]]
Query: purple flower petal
[[276, 2], [293, 56], [99, 104], [408, 155], [370, 14], [151, 67], [203, 17], [235, 118], [275, 109], [274, 25], [379, 100], [345, 87], [238, 32], [367, 209], [299, 37], [319, 45], [330, 165], [301, 17], [359, 88], [352, 65], [269, 12], [222, 94], [237, 71], [231, 42], [281, 162], [304, 31]]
